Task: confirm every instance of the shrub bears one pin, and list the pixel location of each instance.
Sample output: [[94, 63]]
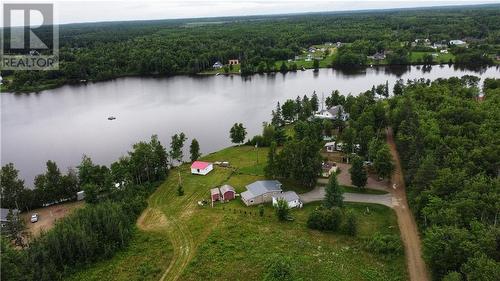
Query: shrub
[[385, 244], [325, 219], [282, 210], [279, 269], [351, 224]]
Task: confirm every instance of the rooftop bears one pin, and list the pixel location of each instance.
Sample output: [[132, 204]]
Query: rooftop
[[200, 165], [261, 187], [288, 196]]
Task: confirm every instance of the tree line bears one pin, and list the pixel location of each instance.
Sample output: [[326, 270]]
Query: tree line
[[101, 51]]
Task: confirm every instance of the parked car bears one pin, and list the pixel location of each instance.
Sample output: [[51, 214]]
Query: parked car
[[34, 217]]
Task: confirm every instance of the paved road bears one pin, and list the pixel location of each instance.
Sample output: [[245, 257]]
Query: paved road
[[318, 193], [407, 226]]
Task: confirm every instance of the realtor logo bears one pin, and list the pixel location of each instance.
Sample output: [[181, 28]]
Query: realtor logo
[[30, 40]]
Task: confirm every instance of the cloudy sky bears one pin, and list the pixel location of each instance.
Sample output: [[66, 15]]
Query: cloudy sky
[[69, 11]]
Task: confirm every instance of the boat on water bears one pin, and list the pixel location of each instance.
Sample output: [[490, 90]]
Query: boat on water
[[111, 118]]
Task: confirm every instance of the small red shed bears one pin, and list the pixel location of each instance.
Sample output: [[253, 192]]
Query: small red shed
[[227, 192], [215, 194]]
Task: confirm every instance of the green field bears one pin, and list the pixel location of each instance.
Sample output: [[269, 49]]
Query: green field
[[417, 57], [232, 242]]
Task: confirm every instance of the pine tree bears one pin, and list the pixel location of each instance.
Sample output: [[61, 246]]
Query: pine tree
[[333, 196], [194, 150]]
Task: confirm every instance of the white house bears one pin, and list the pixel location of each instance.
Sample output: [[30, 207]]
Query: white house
[[333, 113], [201, 168], [290, 197], [217, 65], [459, 43]]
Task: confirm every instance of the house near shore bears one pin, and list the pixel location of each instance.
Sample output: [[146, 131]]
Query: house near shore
[[377, 56], [217, 65], [201, 168], [290, 197], [458, 43], [234, 62], [4, 213], [261, 192], [333, 113]]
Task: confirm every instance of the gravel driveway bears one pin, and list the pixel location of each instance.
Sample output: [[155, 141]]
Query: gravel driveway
[[318, 193]]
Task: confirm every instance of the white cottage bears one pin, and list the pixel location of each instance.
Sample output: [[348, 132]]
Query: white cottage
[[201, 168], [333, 113], [290, 197]]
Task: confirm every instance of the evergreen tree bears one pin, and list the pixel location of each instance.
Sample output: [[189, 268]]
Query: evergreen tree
[[11, 187], [358, 173], [194, 150], [351, 224], [271, 168], [15, 228], [333, 195], [314, 102], [282, 209], [176, 145], [277, 118], [283, 68]]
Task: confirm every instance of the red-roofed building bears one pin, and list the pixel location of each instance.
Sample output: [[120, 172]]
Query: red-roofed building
[[201, 168]]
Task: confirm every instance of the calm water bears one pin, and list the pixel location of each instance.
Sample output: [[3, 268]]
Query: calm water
[[65, 123]]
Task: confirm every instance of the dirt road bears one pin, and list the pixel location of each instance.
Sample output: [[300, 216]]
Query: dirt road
[[48, 216], [416, 266]]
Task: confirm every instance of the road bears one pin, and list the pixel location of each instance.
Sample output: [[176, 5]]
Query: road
[[416, 266], [318, 194]]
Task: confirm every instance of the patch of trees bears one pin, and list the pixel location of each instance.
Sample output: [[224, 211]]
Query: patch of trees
[[104, 51], [448, 145]]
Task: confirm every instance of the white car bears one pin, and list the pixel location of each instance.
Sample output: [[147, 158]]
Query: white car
[[34, 218]]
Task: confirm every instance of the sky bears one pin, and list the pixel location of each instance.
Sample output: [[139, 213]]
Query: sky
[[70, 11]]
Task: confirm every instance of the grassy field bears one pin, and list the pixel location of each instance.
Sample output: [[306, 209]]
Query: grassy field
[[183, 240], [146, 258], [417, 57]]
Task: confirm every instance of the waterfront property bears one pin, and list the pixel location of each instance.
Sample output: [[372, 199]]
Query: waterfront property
[[290, 197], [217, 65], [333, 113], [261, 192], [201, 168]]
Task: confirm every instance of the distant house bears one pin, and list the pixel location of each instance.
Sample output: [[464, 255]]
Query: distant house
[[377, 56], [458, 43], [215, 194], [227, 192], [201, 168], [339, 44], [333, 113], [290, 197], [234, 62], [444, 51], [328, 43], [311, 50], [217, 65], [261, 192], [328, 168], [80, 195], [438, 45], [333, 146], [3, 215]]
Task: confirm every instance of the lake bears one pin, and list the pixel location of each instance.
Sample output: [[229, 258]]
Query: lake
[[64, 123]]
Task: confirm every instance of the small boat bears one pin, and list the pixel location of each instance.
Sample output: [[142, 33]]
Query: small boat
[[217, 74], [111, 118]]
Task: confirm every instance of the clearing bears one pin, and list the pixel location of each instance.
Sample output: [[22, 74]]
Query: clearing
[[184, 241]]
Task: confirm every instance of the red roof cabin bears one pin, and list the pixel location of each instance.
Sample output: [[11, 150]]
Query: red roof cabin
[[227, 192], [201, 168]]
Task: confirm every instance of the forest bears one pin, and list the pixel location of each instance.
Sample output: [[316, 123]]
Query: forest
[[101, 51]]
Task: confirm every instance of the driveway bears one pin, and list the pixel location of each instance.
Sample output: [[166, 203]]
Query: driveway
[[318, 194]]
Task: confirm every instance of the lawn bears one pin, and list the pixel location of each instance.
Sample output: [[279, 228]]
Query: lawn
[[417, 57], [233, 242]]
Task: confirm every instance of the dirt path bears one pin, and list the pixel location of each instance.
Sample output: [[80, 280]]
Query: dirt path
[[416, 266]]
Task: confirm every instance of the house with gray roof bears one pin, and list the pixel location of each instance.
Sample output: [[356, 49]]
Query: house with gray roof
[[290, 197], [261, 192], [333, 113]]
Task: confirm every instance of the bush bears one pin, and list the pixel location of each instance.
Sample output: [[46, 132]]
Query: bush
[[325, 219], [279, 269], [282, 210], [351, 224], [385, 244]]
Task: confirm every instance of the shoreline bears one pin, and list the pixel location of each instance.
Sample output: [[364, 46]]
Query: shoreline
[[57, 84]]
